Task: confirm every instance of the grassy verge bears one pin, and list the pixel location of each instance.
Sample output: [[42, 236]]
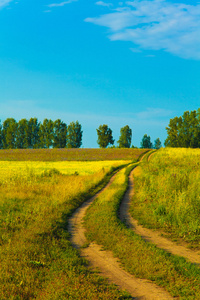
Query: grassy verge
[[37, 260], [167, 194], [138, 257]]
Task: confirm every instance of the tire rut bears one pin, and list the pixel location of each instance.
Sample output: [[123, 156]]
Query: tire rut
[[153, 236], [106, 264]]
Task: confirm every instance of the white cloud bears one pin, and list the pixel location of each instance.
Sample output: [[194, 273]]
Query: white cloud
[[156, 25], [101, 3], [61, 4], [4, 3]]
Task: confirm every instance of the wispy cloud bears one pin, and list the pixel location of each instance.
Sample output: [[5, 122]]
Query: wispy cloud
[[101, 3], [61, 4], [153, 114], [4, 3], [156, 25]]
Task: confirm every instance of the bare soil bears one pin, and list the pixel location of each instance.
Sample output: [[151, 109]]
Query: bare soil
[[106, 264]]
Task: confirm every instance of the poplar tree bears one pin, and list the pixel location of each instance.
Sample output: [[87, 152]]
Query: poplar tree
[[33, 133], [1, 143], [60, 134], [22, 134], [105, 137], [184, 131], [125, 137], [74, 135], [173, 130], [157, 144], [146, 142], [46, 134], [9, 132]]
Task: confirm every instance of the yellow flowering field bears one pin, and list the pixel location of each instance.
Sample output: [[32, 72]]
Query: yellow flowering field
[[11, 169]]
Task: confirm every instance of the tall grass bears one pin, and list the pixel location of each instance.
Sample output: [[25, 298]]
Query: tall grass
[[36, 258], [167, 193], [138, 257]]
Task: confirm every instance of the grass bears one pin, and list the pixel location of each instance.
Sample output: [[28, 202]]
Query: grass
[[180, 278], [70, 154], [24, 169], [37, 260], [167, 193]]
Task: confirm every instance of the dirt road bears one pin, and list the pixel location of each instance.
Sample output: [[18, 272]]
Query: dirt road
[[107, 265], [151, 235]]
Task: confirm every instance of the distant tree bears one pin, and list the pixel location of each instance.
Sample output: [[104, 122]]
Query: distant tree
[[157, 144], [146, 142], [60, 134], [174, 138], [9, 132], [22, 134], [190, 130], [184, 131], [125, 137], [46, 134], [1, 142], [74, 135], [33, 133], [105, 137]]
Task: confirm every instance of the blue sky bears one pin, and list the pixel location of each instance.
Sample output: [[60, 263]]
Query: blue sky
[[118, 63]]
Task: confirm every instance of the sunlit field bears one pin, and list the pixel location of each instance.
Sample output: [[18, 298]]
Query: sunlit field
[[23, 169], [38, 194], [36, 198], [138, 257], [167, 193]]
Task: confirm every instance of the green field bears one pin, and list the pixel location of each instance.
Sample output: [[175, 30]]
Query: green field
[[140, 258], [167, 193], [38, 196], [36, 199]]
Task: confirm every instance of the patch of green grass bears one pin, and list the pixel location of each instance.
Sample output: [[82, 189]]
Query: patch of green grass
[[144, 260], [167, 193], [37, 260]]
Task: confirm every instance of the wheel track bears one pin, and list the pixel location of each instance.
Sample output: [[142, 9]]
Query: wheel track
[[153, 236], [108, 265]]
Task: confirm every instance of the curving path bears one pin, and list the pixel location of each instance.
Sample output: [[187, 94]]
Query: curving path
[[105, 262], [152, 235]]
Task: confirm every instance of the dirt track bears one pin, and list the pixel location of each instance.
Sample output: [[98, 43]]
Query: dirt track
[[107, 264], [152, 235]]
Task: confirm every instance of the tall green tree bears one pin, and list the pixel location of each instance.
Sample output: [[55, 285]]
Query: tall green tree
[[146, 142], [173, 130], [33, 133], [46, 133], [74, 135], [184, 131], [125, 137], [9, 133], [22, 134], [105, 137], [157, 144], [60, 134], [1, 142]]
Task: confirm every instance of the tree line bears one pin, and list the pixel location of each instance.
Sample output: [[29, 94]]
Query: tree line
[[32, 134], [184, 131], [105, 138]]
